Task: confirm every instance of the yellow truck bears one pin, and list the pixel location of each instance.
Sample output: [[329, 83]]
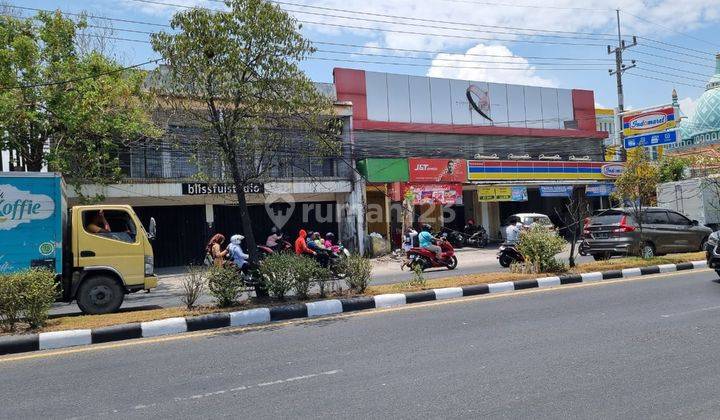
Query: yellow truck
[[99, 253]]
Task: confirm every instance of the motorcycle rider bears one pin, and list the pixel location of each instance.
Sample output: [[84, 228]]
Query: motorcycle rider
[[329, 238], [236, 253], [273, 239], [409, 238], [319, 252], [512, 232], [427, 241], [301, 246]]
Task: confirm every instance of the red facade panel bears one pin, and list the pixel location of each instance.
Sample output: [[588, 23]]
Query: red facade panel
[[350, 86], [584, 109]]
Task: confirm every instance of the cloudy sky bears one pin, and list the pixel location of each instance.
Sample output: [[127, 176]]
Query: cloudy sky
[[559, 43]]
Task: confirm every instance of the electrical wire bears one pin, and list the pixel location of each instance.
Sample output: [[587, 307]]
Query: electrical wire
[[78, 79], [449, 66]]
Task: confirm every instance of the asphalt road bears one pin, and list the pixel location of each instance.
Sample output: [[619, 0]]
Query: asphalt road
[[643, 348], [168, 292]]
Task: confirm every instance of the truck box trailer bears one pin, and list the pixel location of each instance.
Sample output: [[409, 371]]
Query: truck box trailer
[[697, 198], [98, 253]]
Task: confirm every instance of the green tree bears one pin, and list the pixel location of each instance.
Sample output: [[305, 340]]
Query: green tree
[[72, 110], [235, 73], [672, 168], [636, 188]]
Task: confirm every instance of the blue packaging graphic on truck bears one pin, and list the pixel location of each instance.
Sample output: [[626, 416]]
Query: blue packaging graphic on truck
[[31, 219]]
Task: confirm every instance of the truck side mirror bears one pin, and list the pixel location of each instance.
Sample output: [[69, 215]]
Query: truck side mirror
[[694, 223], [152, 229]]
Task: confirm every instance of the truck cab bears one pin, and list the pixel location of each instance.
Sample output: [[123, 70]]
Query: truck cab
[[110, 256]]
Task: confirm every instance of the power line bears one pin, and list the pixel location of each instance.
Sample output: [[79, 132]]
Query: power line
[[671, 29], [451, 59], [676, 45], [366, 13], [455, 53], [526, 6], [162, 3], [138, 22], [664, 80], [424, 26], [599, 35], [78, 79], [447, 66], [664, 57], [314, 41]]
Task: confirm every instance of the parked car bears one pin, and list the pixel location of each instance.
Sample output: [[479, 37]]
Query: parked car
[[527, 219], [711, 251], [616, 232]]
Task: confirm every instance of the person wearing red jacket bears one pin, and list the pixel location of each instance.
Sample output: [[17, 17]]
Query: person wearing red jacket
[[301, 244]]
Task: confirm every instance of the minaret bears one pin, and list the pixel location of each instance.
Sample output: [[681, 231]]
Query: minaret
[[715, 80], [676, 105]]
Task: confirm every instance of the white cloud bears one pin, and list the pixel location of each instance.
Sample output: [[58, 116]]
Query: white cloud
[[465, 66], [158, 9], [688, 106], [598, 105]]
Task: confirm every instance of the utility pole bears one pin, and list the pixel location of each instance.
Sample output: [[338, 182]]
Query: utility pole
[[620, 68]]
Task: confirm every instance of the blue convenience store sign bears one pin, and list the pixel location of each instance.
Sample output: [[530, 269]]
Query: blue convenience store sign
[[654, 139]]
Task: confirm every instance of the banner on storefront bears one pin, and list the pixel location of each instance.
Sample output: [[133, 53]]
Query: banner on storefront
[[437, 170], [654, 120], [520, 170], [556, 190], [445, 194], [599, 190], [493, 194]]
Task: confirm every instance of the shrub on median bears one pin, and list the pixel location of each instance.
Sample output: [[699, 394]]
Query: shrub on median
[[279, 272], [226, 285], [193, 286], [539, 246], [26, 296], [358, 272]]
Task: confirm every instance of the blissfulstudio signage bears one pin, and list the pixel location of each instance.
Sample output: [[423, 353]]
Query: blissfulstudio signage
[[201, 188]]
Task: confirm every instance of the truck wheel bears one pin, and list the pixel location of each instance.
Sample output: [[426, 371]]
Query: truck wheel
[[100, 295]]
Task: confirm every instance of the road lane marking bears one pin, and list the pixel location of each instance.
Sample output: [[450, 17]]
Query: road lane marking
[[260, 385], [370, 312], [709, 308]]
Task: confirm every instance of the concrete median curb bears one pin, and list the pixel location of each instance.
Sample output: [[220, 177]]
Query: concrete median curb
[[71, 338]]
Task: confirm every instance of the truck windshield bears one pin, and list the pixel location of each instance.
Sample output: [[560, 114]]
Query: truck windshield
[[111, 224]]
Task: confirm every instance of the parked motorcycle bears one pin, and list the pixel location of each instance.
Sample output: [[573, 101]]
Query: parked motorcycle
[[508, 254], [424, 258], [456, 238]]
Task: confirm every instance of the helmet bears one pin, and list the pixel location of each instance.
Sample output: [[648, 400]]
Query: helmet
[[329, 235], [426, 227]]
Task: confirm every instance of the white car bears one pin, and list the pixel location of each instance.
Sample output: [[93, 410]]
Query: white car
[[527, 219]]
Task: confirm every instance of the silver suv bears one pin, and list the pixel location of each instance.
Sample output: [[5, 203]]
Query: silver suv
[[616, 232]]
